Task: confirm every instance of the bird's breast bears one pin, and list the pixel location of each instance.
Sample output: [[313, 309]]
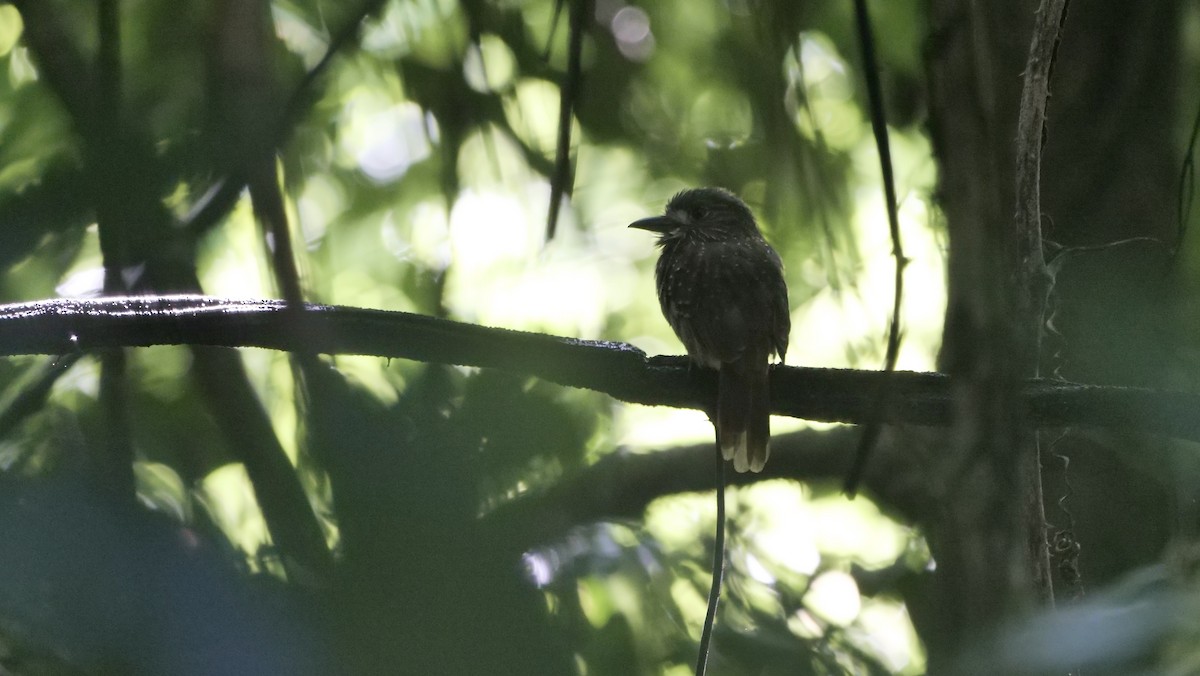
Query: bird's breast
[[716, 297]]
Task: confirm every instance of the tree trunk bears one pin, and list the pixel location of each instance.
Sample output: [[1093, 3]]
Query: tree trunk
[[1111, 174], [976, 54], [1108, 173]]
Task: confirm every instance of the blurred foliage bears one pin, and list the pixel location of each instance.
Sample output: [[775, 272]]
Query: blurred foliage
[[416, 169]]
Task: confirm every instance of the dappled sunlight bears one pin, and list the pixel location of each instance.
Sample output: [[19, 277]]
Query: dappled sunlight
[[648, 428], [595, 280], [782, 527], [418, 180], [360, 288], [433, 30], [833, 596], [848, 327], [299, 36], [11, 27], [84, 278], [505, 275], [490, 230], [692, 604], [886, 628], [821, 94], [81, 384], [721, 116], [630, 27], [364, 372], [230, 264], [490, 65], [856, 530], [532, 111], [565, 298], [795, 540], [228, 498], [383, 138], [319, 204], [491, 160], [614, 187], [390, 507], [161, 488], [680, 521], [427, 239]]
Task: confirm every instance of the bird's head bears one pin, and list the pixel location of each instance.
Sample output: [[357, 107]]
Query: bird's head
[[712, 214]]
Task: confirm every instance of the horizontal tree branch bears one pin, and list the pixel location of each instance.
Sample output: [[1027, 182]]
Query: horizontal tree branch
[[620, 486], [620, 370]]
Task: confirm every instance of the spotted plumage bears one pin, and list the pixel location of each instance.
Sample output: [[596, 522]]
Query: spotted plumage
[[721, 288]]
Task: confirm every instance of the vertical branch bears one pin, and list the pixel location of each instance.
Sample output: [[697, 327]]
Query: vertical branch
[[108, 70], [247, 120], [1187, 185], [718, 566], [1034, 281], [1033, 277], [879, 128], [252, 126], [114, 469], [563, 177], [245, 424], [866, 39], [267, 199], [223, 195]]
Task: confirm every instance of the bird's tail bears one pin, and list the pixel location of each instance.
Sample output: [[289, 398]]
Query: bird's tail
[[744, 414]]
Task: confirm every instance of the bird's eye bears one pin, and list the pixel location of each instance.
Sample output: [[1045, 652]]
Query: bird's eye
[[700, 213]]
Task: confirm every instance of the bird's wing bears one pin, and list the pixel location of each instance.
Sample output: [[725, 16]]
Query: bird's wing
[[781, 325]]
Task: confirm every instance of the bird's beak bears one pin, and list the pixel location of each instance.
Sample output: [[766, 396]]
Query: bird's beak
[[659, 224]]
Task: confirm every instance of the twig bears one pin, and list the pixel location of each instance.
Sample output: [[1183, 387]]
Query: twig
[[113, 466], [1034, 279], [245, 426], [1187, 184], [563, 176], [112, 461], [879, 126], [718, 568], [298, 103]]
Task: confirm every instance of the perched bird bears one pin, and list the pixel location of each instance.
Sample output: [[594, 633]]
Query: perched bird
[[721, 289]]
